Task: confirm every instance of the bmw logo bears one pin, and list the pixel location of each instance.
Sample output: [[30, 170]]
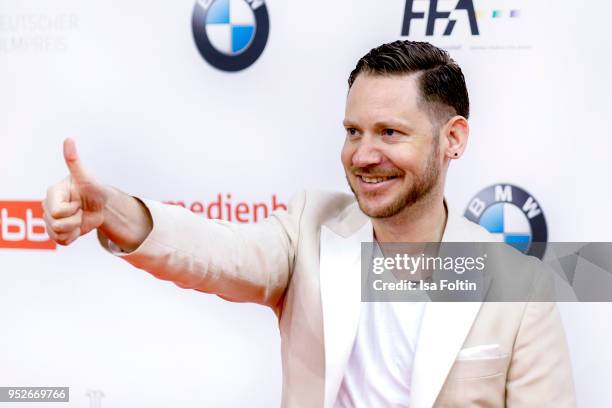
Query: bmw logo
[[511, 214], [230, 34]]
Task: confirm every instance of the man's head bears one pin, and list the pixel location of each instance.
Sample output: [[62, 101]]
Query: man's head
[[406, 117]]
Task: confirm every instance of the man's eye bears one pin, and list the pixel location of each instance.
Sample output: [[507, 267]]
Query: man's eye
[[389, 132], [351, 131]]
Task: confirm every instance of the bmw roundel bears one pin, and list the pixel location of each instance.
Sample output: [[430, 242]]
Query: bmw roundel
[[230, 34], [512, 215]]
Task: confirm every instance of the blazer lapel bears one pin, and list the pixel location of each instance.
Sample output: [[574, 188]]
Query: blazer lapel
[[444, 328], [340, 279]]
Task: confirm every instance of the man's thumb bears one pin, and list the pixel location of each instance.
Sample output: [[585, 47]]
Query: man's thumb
[[73, 162]]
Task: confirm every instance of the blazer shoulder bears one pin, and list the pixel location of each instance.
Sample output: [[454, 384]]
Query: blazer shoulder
[[328, 201], [337, 210], [460, 229], [477, 231]]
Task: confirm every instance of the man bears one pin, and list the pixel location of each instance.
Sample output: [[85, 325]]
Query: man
[[406, 119]]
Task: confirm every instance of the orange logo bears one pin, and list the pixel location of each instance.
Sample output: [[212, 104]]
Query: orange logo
[[22, 226]]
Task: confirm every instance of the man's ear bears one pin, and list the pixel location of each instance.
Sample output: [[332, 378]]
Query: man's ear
[[456, 132]]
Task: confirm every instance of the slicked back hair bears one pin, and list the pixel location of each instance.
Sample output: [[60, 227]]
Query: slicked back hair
[[442, 89]]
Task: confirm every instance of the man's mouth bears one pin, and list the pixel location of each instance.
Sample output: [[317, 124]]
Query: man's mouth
[[375, 179]]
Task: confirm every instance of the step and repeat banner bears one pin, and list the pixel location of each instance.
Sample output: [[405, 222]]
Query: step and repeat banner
[[229, 107]]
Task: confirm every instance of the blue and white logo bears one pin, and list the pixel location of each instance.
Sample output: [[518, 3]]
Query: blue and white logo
[[512, 215], [230, 34]]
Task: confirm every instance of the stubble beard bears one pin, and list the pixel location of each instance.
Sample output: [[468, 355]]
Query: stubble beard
[[421, 187]]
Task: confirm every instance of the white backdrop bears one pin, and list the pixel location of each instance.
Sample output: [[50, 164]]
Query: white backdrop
[[152, 117]]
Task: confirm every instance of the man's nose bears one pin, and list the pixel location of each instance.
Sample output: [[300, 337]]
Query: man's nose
[[367, 154]]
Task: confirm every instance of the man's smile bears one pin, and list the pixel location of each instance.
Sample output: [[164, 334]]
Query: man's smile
[[369, 183]]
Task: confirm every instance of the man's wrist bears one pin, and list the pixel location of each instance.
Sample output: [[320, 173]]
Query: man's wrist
[[127, 221]]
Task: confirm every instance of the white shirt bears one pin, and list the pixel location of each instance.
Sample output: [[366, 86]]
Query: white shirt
[[379, 370]]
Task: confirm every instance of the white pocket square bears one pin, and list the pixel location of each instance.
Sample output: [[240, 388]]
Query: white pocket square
[[481, 352]]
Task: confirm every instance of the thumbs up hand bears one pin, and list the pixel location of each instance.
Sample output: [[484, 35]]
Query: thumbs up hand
[[75, 205]]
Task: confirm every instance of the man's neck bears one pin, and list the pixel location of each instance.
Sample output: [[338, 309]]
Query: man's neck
[[423, 221]]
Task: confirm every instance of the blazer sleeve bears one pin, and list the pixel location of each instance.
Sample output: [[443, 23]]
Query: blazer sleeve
[[238, 262], [540, 372]]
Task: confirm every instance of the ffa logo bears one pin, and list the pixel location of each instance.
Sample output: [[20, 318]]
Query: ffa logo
[[433, 14], [511, 214]]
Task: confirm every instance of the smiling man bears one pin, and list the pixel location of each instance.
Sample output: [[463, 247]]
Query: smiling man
[[406, 120], [404, 123]]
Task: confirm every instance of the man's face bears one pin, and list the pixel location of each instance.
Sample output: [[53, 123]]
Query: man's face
[[391, 155]]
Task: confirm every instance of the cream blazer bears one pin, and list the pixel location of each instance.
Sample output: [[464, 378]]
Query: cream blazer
[[304, 263]]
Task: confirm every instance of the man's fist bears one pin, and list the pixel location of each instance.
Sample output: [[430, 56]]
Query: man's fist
[[75, 205]]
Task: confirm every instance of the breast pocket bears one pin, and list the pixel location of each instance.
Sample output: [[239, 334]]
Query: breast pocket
[[478, 382], [478, 368]]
